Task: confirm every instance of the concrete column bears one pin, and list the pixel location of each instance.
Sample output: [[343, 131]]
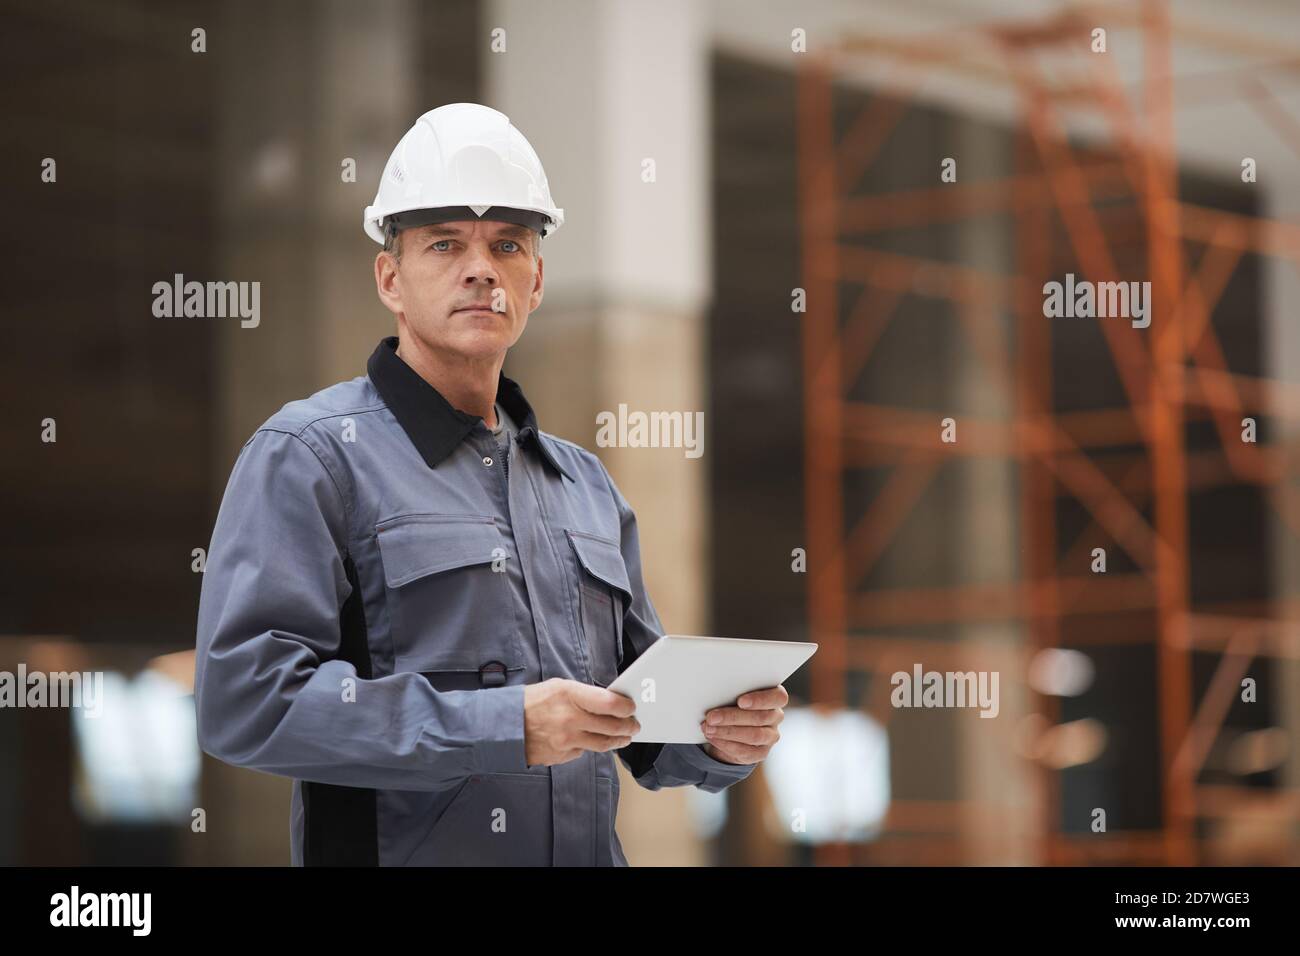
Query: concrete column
[[627, 279], [991, 774]]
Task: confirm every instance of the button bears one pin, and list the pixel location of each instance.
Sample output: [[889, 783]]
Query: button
[[487, 461], [492, 674]]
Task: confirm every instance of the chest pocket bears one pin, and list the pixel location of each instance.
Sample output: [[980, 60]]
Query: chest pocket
[[449, 597], [604, 595]]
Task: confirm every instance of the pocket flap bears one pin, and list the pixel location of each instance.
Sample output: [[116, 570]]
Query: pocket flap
[[601, 558], [414, 546]]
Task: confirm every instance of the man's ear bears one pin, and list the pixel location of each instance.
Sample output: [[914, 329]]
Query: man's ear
[[386, 284]]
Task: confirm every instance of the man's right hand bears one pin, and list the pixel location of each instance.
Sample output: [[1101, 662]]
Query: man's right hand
[[562, 718]]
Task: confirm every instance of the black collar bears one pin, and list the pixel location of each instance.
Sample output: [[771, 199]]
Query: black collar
[[432, 423]]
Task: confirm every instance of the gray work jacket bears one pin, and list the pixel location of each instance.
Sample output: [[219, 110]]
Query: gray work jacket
[[378, 590]]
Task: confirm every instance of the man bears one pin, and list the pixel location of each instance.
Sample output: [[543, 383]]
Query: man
[[414, 597]]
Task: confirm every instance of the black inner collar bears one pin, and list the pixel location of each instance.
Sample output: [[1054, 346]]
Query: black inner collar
[[432, 423]]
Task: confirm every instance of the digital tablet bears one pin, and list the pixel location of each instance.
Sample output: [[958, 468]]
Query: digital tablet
[[682, 677]]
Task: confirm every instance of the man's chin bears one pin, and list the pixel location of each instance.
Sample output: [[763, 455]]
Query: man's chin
[[468, 336], [480, 344]]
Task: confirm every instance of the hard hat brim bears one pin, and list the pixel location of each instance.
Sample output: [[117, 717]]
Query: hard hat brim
[[412, 218]]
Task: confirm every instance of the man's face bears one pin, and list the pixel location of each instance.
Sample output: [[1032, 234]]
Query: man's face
[[463, 287]]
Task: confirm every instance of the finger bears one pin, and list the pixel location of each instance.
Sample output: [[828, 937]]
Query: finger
[[747, 718], [765, 699], [600, 743], [739, 753], [757, 736], [598, 700], [609, 726]]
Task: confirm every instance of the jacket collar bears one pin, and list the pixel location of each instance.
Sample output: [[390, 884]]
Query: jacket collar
[[433, 424]]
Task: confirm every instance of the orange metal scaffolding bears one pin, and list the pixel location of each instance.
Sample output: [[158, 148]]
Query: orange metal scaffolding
[[1172, 373]]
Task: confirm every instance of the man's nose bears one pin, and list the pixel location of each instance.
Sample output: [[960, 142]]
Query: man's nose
[[479, 268]]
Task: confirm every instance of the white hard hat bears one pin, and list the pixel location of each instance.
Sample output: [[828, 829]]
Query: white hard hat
[[458, 161]]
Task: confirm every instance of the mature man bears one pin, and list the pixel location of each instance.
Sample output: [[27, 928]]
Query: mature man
[[414, 597]]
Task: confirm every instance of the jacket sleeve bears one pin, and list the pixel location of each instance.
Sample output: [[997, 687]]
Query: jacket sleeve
[[659, 765], [271, 689]]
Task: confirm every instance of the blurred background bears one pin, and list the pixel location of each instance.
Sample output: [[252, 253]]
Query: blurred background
[[801, 270]]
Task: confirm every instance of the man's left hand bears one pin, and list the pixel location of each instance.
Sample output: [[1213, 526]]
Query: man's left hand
[[745, 733]]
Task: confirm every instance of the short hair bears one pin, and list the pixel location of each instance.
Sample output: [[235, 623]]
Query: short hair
[[393, 241]]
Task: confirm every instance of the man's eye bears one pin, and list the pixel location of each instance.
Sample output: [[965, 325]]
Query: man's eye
[[439, 243], [510, 242]]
